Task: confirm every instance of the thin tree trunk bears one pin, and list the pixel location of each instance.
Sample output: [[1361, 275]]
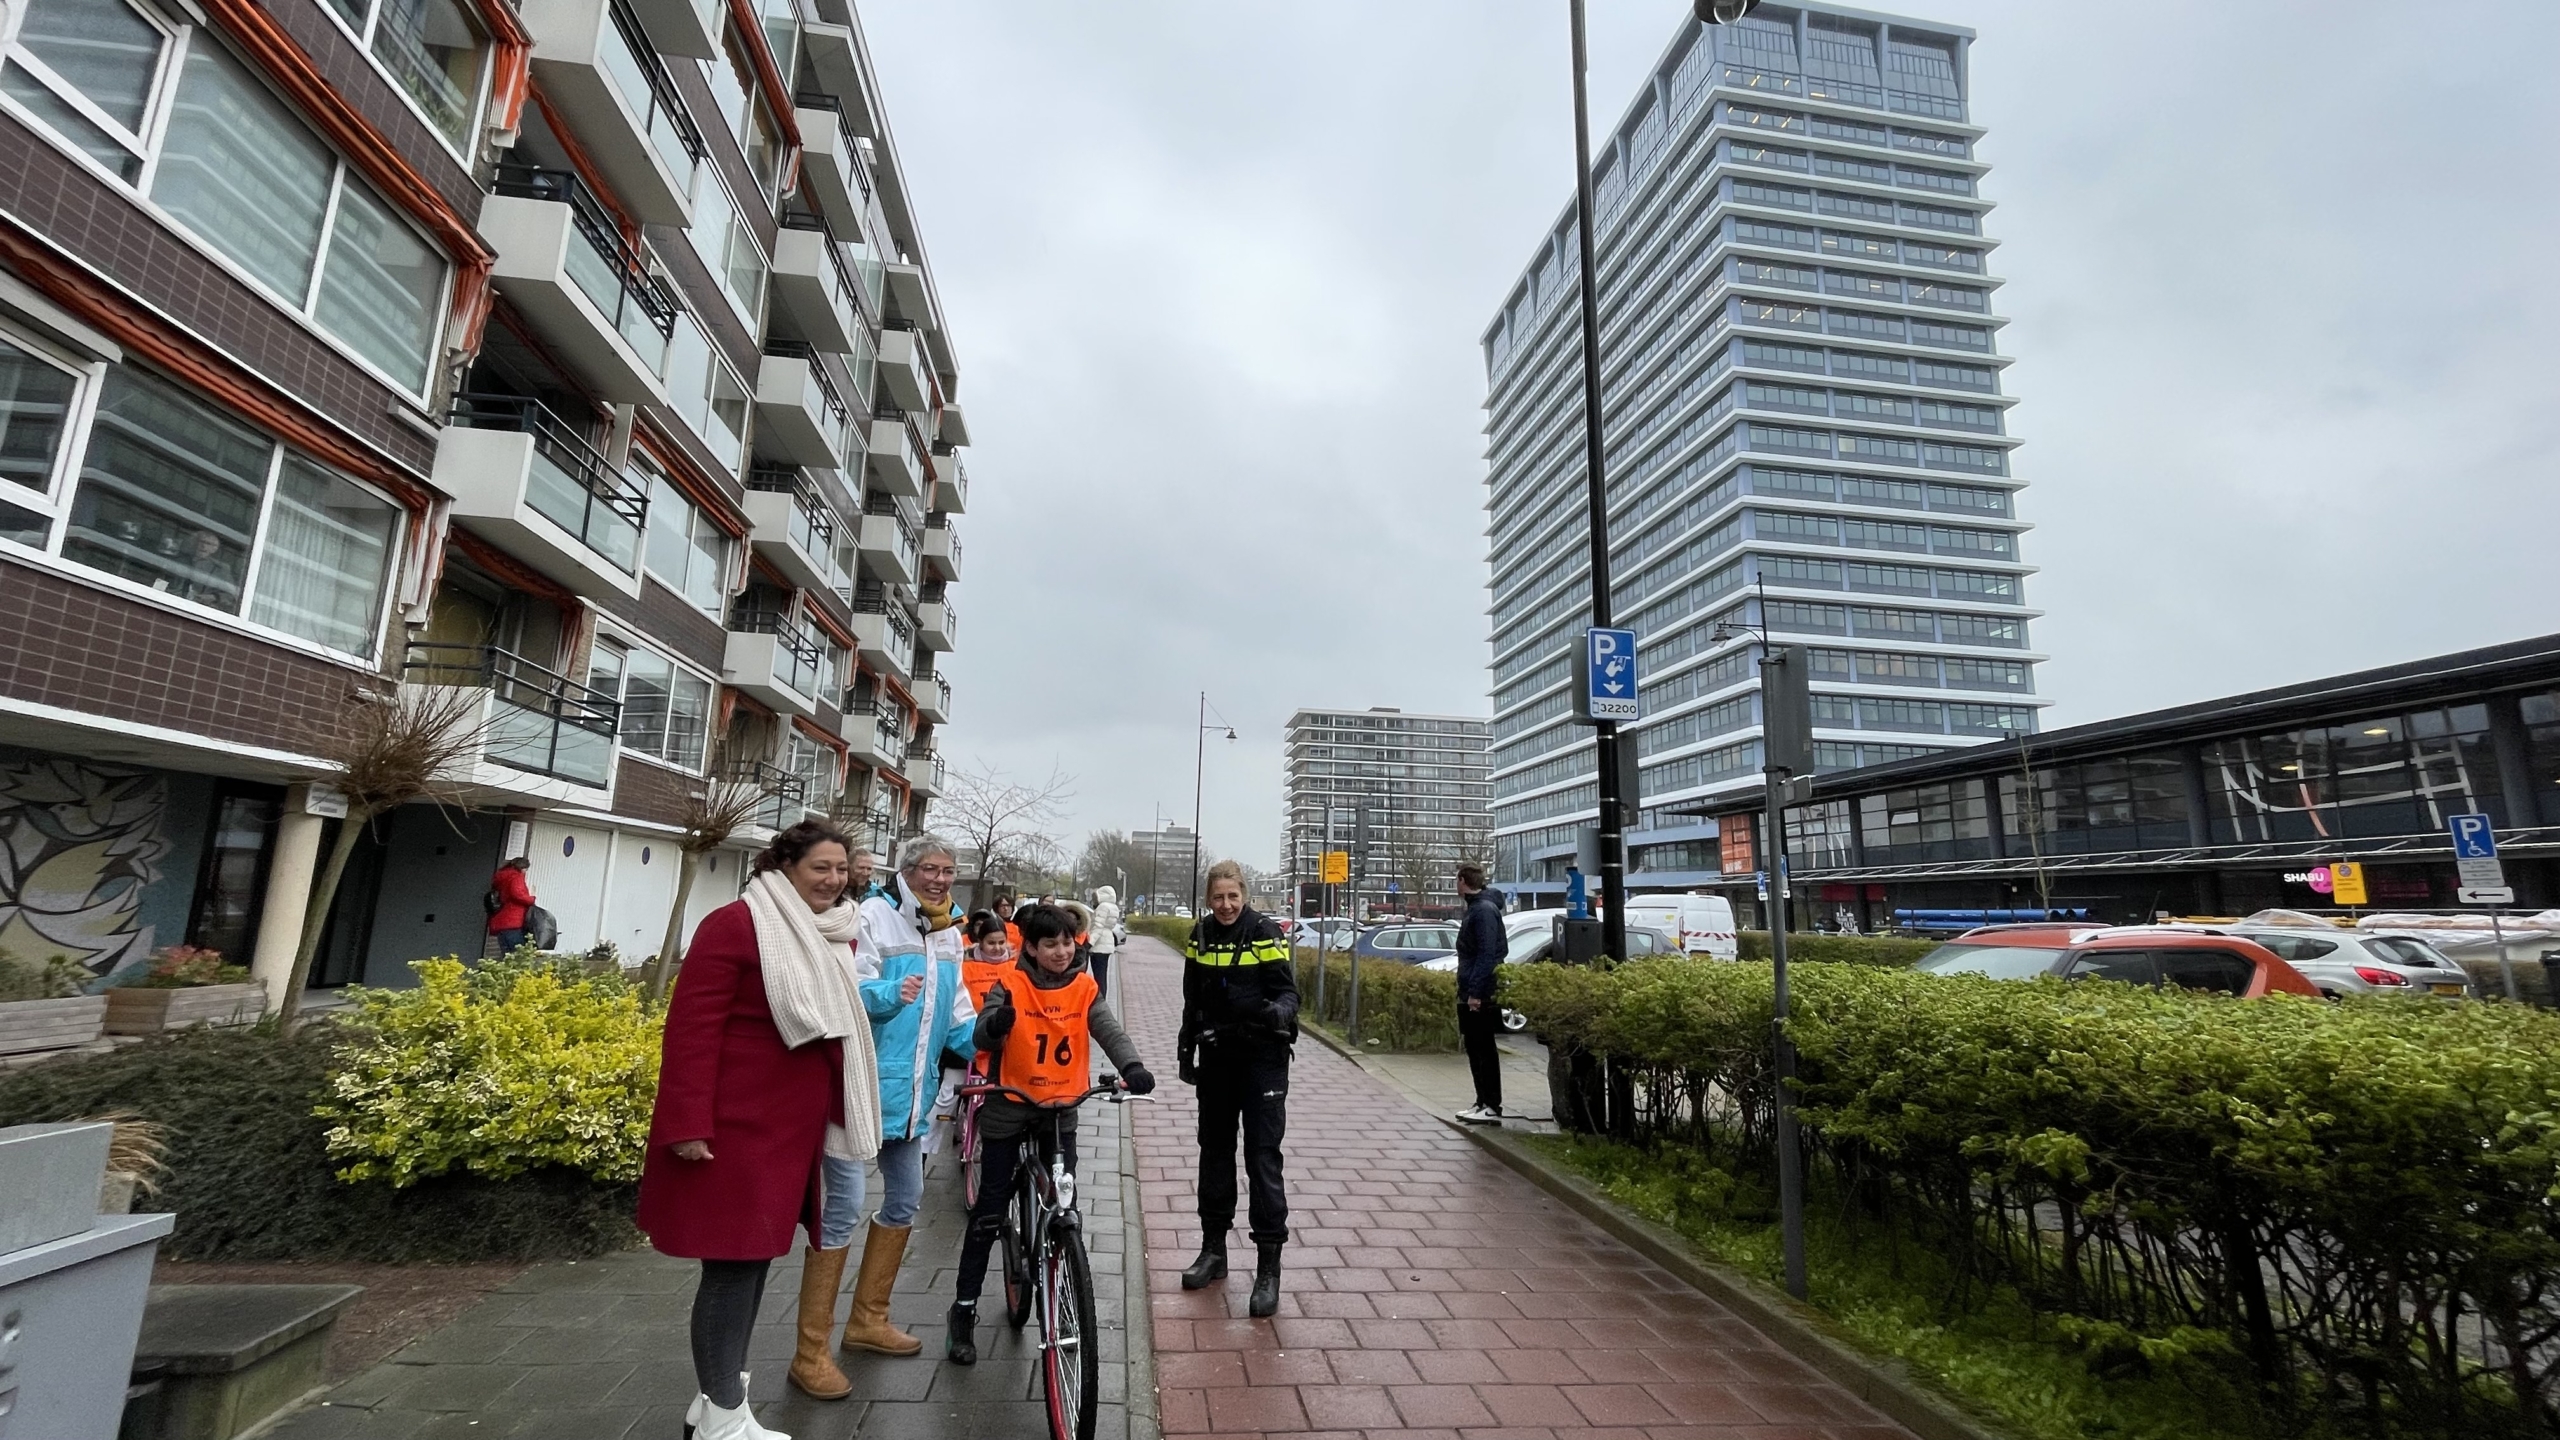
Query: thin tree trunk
[[664, 964], [315, 915]]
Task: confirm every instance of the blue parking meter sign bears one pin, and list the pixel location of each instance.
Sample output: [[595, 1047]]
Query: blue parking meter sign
[[1608, 676]]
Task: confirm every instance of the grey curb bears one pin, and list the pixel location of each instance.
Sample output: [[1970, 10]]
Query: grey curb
[[1145, 1421], [1789, 1324]]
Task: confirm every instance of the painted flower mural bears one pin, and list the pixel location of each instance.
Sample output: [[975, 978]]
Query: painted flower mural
[[77, 847]]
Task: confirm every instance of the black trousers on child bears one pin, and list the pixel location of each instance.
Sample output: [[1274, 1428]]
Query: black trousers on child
[[1248, 1092], [999, 1172], [1479, 1028]]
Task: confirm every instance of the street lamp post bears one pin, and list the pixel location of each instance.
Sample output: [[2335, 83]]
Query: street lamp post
[[1199, 769], [1155, 847]]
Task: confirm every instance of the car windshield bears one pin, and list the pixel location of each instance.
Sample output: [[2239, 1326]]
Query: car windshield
[[2400, 950], [2000, 962]]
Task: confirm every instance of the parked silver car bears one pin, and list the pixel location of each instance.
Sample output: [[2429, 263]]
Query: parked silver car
[[2351, 962], [1534, 942]]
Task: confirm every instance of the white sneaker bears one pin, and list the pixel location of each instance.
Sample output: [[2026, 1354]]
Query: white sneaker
[[1481, 1115], [706, 1421]]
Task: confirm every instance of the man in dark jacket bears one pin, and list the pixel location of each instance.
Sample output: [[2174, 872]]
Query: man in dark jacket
[[1481, 946], [1239, 1018]]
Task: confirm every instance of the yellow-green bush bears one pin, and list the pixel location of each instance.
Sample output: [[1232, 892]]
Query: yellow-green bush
[[1825, 948], [514, 1066]]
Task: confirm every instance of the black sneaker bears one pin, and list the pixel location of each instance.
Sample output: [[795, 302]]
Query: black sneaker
[[962, 1347]]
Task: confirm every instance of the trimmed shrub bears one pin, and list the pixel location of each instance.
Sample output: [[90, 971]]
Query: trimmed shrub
[[1171, 929], [1816, 948], [250, 1176], [2360, 1196], [1402, 1007], [514, 1065]]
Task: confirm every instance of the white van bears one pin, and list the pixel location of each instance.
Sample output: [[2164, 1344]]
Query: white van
[[1704, 923]]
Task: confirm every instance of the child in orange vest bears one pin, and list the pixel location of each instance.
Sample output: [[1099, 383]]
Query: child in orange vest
[[1037, 1026]]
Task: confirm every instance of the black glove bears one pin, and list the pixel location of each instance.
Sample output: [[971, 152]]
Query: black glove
[[1138, 1078], [997, 1023], [1186, 1065]]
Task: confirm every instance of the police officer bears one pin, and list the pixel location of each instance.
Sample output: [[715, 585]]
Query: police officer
[[1239, 1018]]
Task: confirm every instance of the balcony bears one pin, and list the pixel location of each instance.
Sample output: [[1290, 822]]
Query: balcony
[[800, 419], [923, 770], [950, 483], [896, 461], [862, 733], [887, 547], [933, 698], [599, 72], [811, 285], [910, 299], [905, 370], [935, 625], [545, 739], [834, 54], [527, 482], [690, 28], [784, 794], [882, 630], [771, 658], [562, 262], [941, 551], [793, 527], [955, 427], [831, 168]]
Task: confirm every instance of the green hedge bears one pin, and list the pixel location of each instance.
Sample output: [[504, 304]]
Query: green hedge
[[250, 1173], [1172, 930], [1816, 948], [2363, 1198], [1402, 1007]]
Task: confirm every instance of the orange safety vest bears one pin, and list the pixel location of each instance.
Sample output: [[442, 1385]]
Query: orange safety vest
[[1044, 1052], [980, 976]]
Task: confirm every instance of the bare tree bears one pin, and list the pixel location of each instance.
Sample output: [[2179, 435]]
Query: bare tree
[[387, 751], [1111, 858], [1006, 823], [716, 810]]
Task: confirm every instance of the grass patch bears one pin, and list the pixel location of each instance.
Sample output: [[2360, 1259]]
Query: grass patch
[[2044, 1378]]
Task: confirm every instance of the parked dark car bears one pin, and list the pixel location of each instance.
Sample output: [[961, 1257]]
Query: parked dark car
[[1407, 944]]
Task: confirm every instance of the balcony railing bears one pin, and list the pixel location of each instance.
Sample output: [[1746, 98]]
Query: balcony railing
[[542, 722], [785, 794], [872, 598], [636, 71], [607, 269], [820, 393], [842, 294], [820, 100], [814, 527], [572, 485], [797, 658]]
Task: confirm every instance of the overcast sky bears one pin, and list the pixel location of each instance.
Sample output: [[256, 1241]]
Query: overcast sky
[[1216, 273]]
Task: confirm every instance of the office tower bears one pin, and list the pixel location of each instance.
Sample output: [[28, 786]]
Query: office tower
[[1422, 779], [1803, 401], [578, 357]]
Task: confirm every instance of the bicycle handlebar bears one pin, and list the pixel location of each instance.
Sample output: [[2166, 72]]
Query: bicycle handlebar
[[1113, 1087]]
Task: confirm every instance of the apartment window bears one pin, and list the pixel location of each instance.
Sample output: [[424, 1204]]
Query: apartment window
[[1960, 417], [1766, 480], [1782, 525], [1793, 317], [1764, 119], [1956, 377], [1854, 362], [666, 709], [1781, 357], [1797, 570], [1920, 252], [1850, 282], [1760, 272], [1983, 630], [1786, 197], [235, 168], [1764, 155], [707, 393], [1879, 449], [1949, 181], [1849, 403], [1760, 232], [1955, 145], [1864, 247], [687, 553], [1957, 297], [1855, 322], [1889, 579], [432, 50], [35, 423], [1960, 337], [1939, 217], [1785, 397], [1815, 619], [721, 237], [175, 497], [1967, 457], [733, 85], [1835, 129], [1979, 585], [1850, 169], [1884, 535], [1969, 497], [1986, 675]]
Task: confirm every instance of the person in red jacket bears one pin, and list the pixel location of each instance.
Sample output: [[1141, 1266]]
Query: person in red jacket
[[515, 896]]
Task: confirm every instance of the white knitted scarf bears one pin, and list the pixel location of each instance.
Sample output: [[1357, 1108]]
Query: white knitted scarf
[[807, 957]]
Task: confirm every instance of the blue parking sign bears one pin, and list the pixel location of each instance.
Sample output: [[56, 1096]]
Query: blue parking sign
[[1608, 690]]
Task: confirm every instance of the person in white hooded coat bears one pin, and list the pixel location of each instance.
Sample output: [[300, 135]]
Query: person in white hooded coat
[[1106, 938]]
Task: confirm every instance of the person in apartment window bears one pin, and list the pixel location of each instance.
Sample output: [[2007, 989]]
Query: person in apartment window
[[514, 895]]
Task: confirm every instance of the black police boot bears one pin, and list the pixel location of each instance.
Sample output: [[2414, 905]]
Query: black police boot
[[1210, 1268], [962, 1347], [1266, 1283]]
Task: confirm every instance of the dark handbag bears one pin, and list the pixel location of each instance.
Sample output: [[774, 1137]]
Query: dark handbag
[[541, 928]]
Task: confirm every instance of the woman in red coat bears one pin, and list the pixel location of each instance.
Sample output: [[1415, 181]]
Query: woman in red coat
[[515, 897], [766, 1040]]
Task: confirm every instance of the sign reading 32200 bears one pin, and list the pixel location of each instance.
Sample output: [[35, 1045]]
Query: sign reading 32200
[[1608, 688]]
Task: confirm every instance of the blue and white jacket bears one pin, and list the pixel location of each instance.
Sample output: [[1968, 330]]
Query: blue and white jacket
[[913, 1040]]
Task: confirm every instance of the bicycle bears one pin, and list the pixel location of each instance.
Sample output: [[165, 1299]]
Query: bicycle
[[1046, 1271]]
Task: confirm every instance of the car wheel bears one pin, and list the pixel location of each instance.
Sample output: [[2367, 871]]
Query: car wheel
[[1514, 1022]]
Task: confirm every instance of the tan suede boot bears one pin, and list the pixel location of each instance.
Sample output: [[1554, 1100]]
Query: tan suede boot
[[868, 1327], [813, 1368]]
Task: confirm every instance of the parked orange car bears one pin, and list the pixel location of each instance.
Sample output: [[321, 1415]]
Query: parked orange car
[[2141, 955]]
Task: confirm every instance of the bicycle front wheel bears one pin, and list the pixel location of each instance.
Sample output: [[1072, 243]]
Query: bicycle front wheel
[[1071, 1337], [968, 1138]]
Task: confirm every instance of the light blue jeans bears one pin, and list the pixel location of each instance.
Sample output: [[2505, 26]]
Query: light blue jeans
[[901, 1187]]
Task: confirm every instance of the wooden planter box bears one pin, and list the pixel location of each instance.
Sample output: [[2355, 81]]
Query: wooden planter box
[[30, 1026], [146, 1010]]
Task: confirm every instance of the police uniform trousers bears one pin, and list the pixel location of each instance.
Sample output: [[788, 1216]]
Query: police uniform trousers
[[1243, 1087]]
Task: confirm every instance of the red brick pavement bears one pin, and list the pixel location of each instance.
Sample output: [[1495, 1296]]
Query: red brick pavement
[[1431, 1292]]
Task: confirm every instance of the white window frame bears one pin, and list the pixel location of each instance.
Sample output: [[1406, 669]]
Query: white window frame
[[363, 39], [675, 585], [181, 38], [629, 640], [80, 430]]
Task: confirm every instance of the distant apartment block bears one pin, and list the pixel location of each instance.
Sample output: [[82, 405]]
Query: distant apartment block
[[1422, 781]]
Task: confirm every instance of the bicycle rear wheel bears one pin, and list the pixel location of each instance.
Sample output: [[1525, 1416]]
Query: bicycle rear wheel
[[968, 1142], [1071, 1335], [1020, 1222]]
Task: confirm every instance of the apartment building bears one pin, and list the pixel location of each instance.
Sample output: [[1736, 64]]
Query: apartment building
[[1806, 429], [1424, 785], [579, 356]]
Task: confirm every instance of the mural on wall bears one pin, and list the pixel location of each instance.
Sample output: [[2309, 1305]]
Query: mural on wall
[[78, 845]]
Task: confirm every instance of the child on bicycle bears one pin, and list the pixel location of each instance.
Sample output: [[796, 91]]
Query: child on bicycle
[[1037, 1026]]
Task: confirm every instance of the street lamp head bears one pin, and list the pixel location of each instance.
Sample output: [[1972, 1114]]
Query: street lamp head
[[1723, 12], [1720, 634], [1231, 734]]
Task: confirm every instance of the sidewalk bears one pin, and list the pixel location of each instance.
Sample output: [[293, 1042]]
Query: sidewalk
[[1432, 1292], [597, 1350]]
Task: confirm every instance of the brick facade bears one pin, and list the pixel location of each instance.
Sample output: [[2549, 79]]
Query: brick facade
[[344, 65], [648, 792]]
